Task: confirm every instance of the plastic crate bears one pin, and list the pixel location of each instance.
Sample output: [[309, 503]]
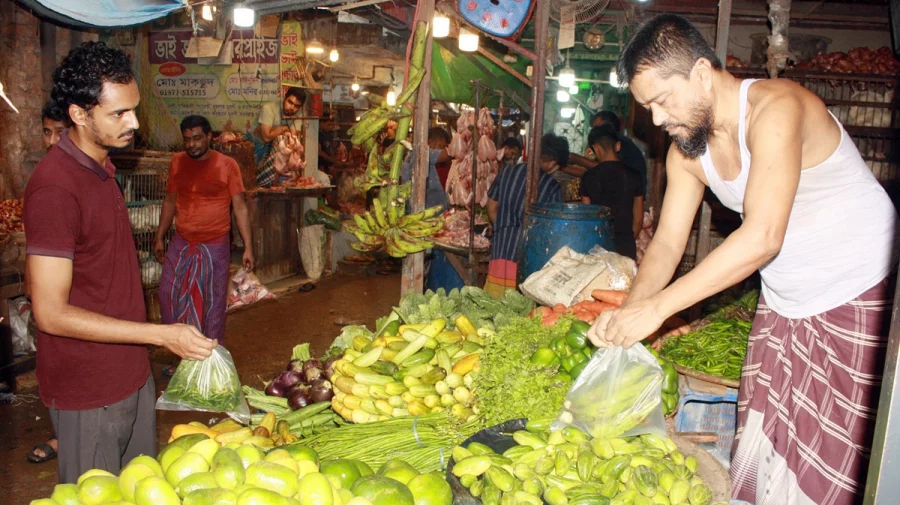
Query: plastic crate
[[708, 407]]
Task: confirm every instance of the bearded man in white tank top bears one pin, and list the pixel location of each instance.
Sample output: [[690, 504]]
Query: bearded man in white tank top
[[818, 227]]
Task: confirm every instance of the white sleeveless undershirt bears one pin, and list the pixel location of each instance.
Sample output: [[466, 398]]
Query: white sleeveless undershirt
[[841, 233]]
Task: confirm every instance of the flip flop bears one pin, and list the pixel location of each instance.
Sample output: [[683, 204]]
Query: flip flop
[[49, 453], [306, 288]]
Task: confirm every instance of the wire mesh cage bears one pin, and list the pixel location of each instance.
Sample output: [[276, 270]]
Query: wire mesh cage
[[144, 190]]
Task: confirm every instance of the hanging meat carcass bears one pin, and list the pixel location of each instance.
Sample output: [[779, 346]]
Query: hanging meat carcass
[[459, 182]]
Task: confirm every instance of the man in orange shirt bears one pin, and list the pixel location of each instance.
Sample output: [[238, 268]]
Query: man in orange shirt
[[203, 186]]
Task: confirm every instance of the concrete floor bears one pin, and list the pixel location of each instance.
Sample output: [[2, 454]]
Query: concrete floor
[[259, 337]]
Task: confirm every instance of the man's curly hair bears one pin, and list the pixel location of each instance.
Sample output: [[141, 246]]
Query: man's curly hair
[[79, 78]]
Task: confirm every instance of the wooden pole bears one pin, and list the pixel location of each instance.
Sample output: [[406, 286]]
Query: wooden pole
[[497, 61], [538, 79], [413, 276]]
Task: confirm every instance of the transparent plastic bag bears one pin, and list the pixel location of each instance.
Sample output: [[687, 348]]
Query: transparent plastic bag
[[617, 394], [245, 290], [211, 385]]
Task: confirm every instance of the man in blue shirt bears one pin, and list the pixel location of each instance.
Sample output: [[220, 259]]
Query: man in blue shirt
[[506, 208], [438, 140]]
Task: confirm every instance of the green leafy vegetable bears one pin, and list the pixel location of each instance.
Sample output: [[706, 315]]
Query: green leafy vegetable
[[212, 384], [507, 385], [301, 352], [476, 304]]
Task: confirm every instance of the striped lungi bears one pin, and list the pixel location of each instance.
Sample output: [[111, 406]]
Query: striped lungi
[[194, 284], [501, 277], [807, 403]]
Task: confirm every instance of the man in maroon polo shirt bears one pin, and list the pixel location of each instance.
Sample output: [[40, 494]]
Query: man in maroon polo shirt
[[92, 366]]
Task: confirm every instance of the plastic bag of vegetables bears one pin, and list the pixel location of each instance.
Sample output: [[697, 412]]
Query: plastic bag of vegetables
[[211, 385], [617, 394]]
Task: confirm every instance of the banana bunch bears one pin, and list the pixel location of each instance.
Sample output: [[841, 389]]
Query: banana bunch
[[396, 234]]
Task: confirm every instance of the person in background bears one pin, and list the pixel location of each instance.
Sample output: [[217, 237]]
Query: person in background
[[512, 152], [438, 140], [506, 207], [54, 120], [202, 188], [629, 154], [93, 369], [270, 125], [328, 160], [611, 184], [820, 230]]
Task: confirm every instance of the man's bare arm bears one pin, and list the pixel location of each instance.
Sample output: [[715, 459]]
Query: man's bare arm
[[684, 192], [637, 212], [51, 283], [581, 161], [492, 207], [270, 133], [242, 215]]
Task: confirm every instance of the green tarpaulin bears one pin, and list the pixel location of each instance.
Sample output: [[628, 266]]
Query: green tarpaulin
[[452, 73]]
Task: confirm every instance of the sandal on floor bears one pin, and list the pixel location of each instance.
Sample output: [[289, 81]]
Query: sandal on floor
[[49, 453], [306, 288]]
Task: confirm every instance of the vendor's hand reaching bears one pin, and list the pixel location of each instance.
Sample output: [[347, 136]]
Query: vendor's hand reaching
[[627, 325], [159, 250], [188, 343], [249, 261]]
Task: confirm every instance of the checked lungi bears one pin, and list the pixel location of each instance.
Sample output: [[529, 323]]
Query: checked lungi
[[194, 285], [807, 403]]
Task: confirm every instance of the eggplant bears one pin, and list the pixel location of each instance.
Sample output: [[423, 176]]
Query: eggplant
[[321, 391], [329, 366], [298, 400], [275, 389], [288, 379], [296, 388], [313, 363], [295, 365], [311, 375]]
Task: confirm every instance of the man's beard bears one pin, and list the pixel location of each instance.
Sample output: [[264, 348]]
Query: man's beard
[[197, 156], [100, 141], [693, 145]]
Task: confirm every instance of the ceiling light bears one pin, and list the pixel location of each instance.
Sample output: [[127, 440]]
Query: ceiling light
[[355, 85], [363, 92], [573, 90], [441, 26], [613, 78], [468, 41], [334, 55], [315, 47], [567, 112], [244, 17], [206, 12], [562, 96], [391, 98], [567, 76], [522, 132]]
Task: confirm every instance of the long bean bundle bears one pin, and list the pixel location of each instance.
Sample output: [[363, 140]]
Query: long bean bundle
[[420, 441]]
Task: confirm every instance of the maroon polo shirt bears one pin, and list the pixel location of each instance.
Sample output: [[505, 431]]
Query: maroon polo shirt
[[74, 209]]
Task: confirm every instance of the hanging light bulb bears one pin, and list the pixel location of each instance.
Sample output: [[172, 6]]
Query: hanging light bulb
[[567, 112], [613, 78], [567, 76], [468, 41], [391, 98], [244, 17], [522, 132], [573, 90], [206, 12], [562, 96], [355, 85], [441, 26], [315, 47], [334, 55]]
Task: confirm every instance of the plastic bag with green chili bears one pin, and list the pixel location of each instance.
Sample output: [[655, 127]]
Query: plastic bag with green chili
[[211, 385]]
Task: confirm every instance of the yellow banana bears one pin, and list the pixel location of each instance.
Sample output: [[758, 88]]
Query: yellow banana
[[362, 224]]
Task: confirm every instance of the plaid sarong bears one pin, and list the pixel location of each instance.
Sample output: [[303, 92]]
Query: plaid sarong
[[194, 284], [501, 277], [807, 403], [265, 175]]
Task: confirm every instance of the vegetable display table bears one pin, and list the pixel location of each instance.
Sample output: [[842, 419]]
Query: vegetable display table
[[459, 258]]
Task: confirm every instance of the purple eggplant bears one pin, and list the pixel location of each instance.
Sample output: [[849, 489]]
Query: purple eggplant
[[312, 374], [288, 379], [329, 366], [321, 391], [298, 400], [275, 389], [295, 365]]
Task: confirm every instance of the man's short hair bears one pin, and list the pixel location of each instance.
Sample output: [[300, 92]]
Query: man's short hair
[[608, 117], [511, 142], [668, 43], [194, 121], [297, 93], [604, 135], [555, 147], [54, 112], [79, 79], [438, 133]]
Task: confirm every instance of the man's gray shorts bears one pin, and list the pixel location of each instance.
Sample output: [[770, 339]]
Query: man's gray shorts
[[107, 437]]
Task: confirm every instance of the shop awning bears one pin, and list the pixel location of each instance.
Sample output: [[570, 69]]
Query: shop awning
[[103, 13], [453, 71]]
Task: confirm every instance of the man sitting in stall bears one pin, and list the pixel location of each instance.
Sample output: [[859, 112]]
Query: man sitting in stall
[[506, 206], [203, 186], [611, 184], [271, 124]]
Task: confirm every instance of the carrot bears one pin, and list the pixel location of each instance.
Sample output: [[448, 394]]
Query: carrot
[[594, 306], [585, 316], [546, 311], [616, 298], [550, 320], [559, 308]]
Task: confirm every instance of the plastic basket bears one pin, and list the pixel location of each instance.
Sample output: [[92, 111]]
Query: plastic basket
[[708, 408]]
